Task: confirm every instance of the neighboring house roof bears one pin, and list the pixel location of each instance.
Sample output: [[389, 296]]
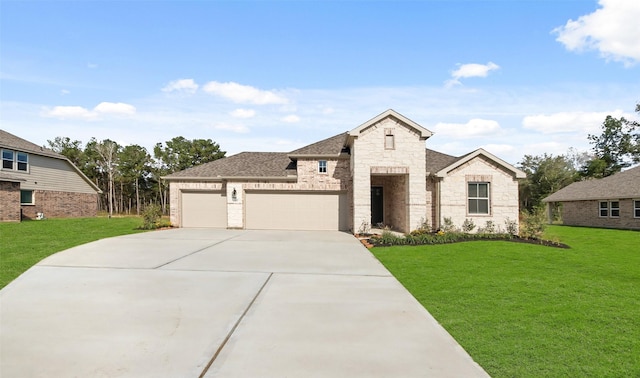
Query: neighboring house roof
[[424, 133], [624, 184], [444, 171], [271, 165], [12, 142], [328, 147]]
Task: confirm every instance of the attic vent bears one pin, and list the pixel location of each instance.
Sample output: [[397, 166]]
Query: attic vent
[[389, 140]]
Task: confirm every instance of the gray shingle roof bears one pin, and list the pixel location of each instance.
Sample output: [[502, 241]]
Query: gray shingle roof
[[244, 164], [437, 160], [10, 141], [329, 146], [624, 184]]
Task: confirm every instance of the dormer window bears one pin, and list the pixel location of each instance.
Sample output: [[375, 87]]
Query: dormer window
[[322, 166], [17, 161], [389, 140]]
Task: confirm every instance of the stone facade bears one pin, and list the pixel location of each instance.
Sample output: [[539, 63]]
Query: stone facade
[[586, 213], [61, 205], [503, 194], [9, 201], [369, 154]]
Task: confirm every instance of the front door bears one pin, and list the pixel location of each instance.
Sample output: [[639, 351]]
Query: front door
[[377, 206]]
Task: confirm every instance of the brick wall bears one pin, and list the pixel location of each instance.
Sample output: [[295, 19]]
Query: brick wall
[[586, 213], [9, 201], [61, 205]]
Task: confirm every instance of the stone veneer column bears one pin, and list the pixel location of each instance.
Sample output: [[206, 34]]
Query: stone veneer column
[[235, 208]]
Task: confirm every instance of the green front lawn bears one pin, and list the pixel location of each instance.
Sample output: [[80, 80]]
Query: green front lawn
[[24, 244], [523, 310]]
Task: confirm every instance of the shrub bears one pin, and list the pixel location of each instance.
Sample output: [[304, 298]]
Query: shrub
[[447, 225], [150, 216], [489, 228], [511, 226], [468, 225], [532, 224], [365, 228]]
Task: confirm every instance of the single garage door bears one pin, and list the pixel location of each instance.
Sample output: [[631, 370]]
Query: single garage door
[[204, 209], [297, 211]]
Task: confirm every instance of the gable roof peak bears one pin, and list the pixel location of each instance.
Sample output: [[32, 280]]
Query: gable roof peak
[[390, 113]]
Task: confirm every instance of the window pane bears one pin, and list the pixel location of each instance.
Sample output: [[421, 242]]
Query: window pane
[[7, 164], [483, 190], [483, 206], [7, 154], [22, 157], [473, 190], [473, 206], [22, 166], [26, 197]]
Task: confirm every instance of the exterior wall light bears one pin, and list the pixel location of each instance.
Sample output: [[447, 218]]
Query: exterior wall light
[[234, 195]]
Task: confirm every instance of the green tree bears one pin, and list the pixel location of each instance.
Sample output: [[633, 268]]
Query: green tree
[[546, 174], [617, 147], [180, 153], [72, 150], [134, 165]]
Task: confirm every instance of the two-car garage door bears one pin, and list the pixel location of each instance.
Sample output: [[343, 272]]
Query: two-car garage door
[[296, 211]]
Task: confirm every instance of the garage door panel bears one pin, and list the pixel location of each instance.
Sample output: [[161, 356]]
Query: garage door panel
[[296, 211], [204, 209]]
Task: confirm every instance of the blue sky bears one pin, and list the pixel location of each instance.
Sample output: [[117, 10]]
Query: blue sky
[[514, 77]]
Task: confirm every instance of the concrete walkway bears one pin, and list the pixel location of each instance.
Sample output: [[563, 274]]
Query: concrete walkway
[[220, 303]]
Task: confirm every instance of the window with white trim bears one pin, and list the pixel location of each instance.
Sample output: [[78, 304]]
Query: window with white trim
[[636, 208], [614, 208], [604, 209], [322, 166], [478, 198], [17, 161], [26, 197], [7, 159]]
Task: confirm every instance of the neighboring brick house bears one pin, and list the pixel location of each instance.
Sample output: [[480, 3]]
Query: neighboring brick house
[[36, 180], [610, 202], [377, 173]]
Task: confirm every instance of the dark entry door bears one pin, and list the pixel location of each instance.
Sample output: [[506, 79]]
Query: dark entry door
[[377, 206]]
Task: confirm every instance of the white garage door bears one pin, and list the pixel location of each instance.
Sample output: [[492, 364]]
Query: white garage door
[[204, 209], [296, 211]]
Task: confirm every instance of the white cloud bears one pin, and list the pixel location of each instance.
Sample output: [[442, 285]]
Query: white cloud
[[243, 113], [246, 94], [240, 129], [291, 118], [78, 112], [470, 70], [115, 108], [567, 122], [65, 92], [474, 128], [612, 30], [181, 85], [499, 149], [92, 65], [70, 112]]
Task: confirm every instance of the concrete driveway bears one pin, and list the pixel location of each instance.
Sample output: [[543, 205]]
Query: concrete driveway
[[220, 303]]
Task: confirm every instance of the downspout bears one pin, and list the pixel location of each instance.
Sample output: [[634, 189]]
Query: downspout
[[437, 217]]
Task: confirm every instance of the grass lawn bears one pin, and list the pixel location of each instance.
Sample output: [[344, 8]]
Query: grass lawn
[[523, 310], [24, 244]]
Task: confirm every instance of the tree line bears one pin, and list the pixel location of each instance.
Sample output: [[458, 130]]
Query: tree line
[[615, 148], [130, 176]]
